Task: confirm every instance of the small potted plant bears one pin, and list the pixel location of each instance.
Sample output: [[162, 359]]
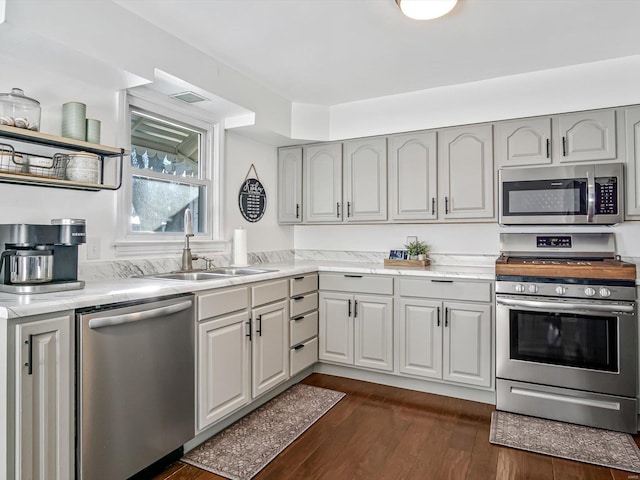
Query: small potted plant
[[417, 250]]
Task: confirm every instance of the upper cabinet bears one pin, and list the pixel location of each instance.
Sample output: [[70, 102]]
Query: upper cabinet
[[290, 185], [413, 176], [466, 173], [523, 142], [577, 137], [322, 187], [365, 180], [632, 122]]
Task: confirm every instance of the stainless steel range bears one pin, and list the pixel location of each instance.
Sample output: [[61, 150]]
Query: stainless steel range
[[566, 329]]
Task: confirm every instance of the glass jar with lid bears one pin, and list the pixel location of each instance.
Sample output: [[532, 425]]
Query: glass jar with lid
[[19, 111]]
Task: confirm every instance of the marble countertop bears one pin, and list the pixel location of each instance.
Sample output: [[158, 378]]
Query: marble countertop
[[116, 290]]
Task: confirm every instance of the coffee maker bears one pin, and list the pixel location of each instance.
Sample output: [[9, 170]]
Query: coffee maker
[[41, 258]]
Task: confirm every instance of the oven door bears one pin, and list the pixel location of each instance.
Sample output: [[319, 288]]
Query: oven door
[[577, 344]]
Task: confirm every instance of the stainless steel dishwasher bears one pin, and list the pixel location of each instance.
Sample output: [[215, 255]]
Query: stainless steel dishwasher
[[135, 386]]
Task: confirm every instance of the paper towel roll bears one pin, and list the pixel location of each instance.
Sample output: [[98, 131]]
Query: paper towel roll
[[240, 247]]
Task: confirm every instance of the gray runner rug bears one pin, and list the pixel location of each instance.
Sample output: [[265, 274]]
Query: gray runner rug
[[243, 449], [565, 440]]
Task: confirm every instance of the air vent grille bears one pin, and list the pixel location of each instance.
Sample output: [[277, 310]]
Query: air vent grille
[[189, 97]]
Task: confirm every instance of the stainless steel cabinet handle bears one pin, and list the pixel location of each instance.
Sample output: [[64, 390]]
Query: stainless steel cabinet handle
[[139, 316], [259, 329], [564, 306]]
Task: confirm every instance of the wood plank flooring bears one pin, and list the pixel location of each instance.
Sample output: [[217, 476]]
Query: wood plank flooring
[[385, 433]]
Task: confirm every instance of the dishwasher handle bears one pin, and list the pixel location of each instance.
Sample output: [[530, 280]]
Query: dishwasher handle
[[139, 316]]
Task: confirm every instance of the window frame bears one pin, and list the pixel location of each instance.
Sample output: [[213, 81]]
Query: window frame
[[130, 243]]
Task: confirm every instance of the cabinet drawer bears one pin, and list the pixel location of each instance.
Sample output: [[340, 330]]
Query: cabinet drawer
[[303, 284], [445, 289], [303, 303], [352, 282], [303, 327], [221, 302], [303, 355], [269, 292]]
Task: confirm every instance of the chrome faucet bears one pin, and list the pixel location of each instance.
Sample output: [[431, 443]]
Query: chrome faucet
[[187, 256]]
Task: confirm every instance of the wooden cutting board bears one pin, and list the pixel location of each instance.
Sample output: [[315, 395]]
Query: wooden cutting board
[[601, 269]]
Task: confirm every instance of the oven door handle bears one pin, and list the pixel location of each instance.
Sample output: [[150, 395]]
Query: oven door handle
[[549, 305]]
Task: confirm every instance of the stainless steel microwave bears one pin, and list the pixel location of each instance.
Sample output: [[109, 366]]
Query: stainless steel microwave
[[589, 194]]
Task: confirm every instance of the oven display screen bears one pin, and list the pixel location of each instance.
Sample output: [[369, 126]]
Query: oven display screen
[[554, 242]]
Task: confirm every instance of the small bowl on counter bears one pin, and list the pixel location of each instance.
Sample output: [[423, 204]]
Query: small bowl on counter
[[83, 167]]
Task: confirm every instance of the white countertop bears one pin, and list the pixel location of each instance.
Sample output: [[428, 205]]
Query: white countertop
[[103, 292]]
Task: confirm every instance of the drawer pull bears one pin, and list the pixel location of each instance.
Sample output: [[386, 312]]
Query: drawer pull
[[301, 317], [442, 281], [353, 276], [299, 347], [299, 297], [298, 278]]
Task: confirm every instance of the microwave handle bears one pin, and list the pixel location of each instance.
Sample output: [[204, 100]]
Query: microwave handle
[[591, 195]]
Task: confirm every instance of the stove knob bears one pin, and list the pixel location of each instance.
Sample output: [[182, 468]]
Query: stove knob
[[605, 292], [560, 290], [533, 289], [589, 292], [519, 288]]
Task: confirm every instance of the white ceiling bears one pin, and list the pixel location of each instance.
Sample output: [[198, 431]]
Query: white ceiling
[[335, 51]]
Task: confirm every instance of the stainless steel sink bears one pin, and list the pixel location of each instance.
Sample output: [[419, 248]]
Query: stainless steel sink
[[239, 271], [190, 276]]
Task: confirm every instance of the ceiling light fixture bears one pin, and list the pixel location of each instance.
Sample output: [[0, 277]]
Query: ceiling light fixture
[[425, 9]]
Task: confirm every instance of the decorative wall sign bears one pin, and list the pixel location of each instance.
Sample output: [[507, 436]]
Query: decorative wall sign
[[253, 197]]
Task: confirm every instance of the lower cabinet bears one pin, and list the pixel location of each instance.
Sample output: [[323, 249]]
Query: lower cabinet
[[445, 339], [356, 329], [303, 326], [269, 347], [43, 441]]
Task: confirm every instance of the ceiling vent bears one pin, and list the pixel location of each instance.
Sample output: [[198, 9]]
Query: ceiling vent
[[189, 97]]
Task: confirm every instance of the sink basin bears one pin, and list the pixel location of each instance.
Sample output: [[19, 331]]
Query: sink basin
[[190, 276], [239, 271]]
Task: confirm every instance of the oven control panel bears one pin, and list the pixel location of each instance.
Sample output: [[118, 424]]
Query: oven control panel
[[602, 292]]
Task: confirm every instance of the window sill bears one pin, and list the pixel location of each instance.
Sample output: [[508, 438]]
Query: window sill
[[166, 248]]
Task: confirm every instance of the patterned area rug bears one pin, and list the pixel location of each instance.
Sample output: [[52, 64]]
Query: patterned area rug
[[574, 442], [243, 449]]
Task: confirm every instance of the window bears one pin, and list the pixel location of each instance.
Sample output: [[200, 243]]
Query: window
[[173, 167]]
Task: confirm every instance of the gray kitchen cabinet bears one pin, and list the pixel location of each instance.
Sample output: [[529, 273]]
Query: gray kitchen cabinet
[[322, 186], [413, 176], [365, 180], [356, 328], [632, 123], [290, 185], [43, 440], [587, 136], [269, 336], [465, 156], [303, 326], [523, 142], [440, 338], [223, 352]]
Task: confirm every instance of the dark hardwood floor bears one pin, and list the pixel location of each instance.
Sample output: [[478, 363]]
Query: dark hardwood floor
[[384, 433]]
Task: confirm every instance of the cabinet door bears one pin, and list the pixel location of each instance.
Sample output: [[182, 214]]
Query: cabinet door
[[467, 343], [523, 142], [587, 136], [466, 173], [290, 185], [44, 420], [365, 179], [223, 367], [412, 176], [336, 328], [420, 342], [373, 319], [632, 117], [270, 347], [322, 171]]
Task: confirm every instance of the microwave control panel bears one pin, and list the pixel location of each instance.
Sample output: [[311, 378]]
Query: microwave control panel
[[606, 196]]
